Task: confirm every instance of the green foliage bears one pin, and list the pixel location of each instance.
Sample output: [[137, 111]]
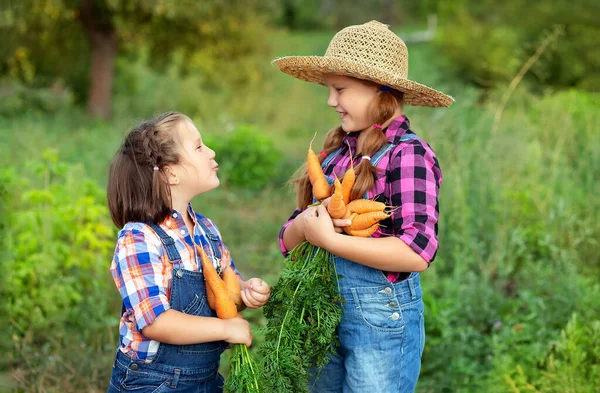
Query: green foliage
[[518, 231], [17, 98], [224, 41], [60, 240], [336, 14], [244, 374], [573, 362], [488, 41], [302, 316], [247, 157]]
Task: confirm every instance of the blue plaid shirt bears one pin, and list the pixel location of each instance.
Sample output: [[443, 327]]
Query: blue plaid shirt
[[142, 273]]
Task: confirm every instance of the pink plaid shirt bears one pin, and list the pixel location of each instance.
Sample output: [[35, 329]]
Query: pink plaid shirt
[[410, 179]]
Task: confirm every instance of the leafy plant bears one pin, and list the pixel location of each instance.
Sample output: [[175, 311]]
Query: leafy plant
[[60, 241], [247, 157], [302, 316]]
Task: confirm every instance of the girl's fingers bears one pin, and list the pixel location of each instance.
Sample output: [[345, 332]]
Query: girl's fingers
[[341, 222]]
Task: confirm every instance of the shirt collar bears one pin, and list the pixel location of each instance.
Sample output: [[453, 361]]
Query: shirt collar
[[175, 220], [397, 129]]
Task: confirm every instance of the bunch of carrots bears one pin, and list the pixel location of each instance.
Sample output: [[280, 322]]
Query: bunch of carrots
[[305, 306], [223, 295], [364, 214]]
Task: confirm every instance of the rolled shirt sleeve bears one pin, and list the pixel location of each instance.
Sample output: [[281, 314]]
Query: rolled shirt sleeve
[[138, 272], [284, 250], [414, 178]]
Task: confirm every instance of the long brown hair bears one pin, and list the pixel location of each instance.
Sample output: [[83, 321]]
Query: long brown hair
[[382, 109], [138, 189]]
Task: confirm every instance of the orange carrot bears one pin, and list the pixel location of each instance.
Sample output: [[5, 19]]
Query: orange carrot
[[321, 188], [232, 283], [224, 305], [210, 297], [365, 232], [348, 181], [361, 206], [366, 220], [337, 208]]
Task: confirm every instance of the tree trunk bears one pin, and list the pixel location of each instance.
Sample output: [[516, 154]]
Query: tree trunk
[[96, 20]]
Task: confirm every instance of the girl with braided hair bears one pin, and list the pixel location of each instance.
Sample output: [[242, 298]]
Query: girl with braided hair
[[381, 335], [169, 338]]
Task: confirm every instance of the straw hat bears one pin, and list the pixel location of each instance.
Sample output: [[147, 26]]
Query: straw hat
[[370, 51]]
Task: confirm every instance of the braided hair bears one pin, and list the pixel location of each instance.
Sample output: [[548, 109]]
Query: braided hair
[[138, 188], [382, 109]]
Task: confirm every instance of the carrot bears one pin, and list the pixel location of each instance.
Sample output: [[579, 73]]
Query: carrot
[[321, 188], [224, 305], [361, 206], [210, 297], [348, 181], [366, 220], [232, 283], [361, 232], [337, 208], [364, 232]]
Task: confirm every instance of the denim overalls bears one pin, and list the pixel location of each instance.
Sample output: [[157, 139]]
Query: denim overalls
[[176, 368], [382, 331]]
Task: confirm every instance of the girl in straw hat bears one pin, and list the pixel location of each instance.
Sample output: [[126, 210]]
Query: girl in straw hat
[[382, 330]]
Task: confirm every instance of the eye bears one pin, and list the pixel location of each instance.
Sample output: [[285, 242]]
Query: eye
[[198, 147], [338, 89]]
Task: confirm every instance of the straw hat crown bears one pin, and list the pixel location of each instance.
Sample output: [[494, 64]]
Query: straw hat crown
[[370, 51], [371, 45]]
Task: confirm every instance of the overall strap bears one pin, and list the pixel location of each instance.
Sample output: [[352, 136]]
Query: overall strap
[[407, 137], [330, 157], [383, 150], [168, 242], [213, 239]]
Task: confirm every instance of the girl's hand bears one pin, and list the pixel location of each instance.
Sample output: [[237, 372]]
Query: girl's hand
[[255, 293], [338, 223], [238, 331], [318, 227]]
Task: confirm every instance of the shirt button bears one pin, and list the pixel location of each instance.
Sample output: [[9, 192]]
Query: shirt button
[[175, 215], [387, 290], [133, 367], [392, 304], [183, 231], [395, 316]]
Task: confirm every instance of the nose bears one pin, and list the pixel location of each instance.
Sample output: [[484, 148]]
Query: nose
[[332, 100], [212, 154]]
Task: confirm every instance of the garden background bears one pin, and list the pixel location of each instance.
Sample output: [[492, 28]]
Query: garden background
[[511, 301]]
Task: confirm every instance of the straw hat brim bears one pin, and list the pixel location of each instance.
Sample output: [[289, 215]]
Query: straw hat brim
[[314, 68]]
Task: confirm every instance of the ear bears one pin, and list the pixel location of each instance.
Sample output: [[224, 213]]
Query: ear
[[171, 174]]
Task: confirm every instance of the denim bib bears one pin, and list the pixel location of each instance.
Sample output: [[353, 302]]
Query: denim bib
[[176, 368]]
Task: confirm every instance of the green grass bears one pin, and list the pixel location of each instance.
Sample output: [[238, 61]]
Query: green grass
[[519, 224]]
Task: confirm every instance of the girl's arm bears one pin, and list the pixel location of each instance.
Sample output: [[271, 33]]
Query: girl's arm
[[293, 234], [387, 253], [177, 328]]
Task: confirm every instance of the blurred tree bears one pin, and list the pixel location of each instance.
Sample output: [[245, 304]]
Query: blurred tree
[[337, 14], [58, 40], [488, 41]]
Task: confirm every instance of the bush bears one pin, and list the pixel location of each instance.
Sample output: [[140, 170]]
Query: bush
[[247, 157], [60, 245], [17, 98]]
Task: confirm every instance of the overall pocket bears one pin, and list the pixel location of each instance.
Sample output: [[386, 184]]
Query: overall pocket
[[144, 382], [379, 308]]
